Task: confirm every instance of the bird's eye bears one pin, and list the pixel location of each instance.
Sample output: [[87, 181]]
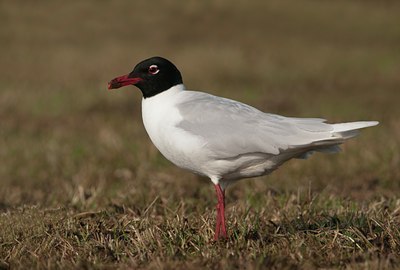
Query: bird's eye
[[153, 69]]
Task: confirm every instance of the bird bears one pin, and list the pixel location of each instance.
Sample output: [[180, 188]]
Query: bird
[[223, 139]]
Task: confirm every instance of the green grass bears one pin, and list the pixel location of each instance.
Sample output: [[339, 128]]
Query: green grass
[[82, 186]]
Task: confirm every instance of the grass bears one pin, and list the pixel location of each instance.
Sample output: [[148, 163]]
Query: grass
[[83, 187]]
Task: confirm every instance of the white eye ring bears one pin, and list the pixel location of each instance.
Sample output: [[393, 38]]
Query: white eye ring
[[153, 69]]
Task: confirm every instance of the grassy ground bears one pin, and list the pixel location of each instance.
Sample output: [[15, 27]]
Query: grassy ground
[[83, 187]]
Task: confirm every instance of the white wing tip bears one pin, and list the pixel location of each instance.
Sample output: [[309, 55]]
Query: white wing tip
[[373, 123], [353, 125], [369, 123], [349, 130]]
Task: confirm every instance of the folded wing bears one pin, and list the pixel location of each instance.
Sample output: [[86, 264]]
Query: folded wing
[[244, 129]]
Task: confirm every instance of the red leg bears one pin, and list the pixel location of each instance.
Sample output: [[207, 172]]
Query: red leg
[[220, 227]]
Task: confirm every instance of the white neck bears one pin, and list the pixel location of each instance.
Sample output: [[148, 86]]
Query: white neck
[[165, 94], [157, 108]]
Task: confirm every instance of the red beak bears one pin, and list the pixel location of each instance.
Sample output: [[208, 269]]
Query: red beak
[[122, 81]]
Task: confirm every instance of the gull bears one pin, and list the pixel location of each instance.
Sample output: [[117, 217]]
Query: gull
[[223, 139]]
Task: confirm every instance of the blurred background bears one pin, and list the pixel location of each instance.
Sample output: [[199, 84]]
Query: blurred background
[[66, 140]]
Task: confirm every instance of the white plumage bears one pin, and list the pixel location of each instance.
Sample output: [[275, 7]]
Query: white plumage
[[226, 140], [220, 138]]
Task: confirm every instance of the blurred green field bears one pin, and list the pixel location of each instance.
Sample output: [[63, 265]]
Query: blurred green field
[[82, 186]]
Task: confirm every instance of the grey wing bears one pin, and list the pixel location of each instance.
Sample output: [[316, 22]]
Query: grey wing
[[231, 128]]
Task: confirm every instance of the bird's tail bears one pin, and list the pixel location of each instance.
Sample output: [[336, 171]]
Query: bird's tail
[[349, 130], [340, 133]]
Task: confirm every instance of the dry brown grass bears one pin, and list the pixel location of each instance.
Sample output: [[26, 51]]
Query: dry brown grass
[[83, 187]]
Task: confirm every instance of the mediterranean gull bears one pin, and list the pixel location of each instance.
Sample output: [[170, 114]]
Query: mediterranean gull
[[223, 139]]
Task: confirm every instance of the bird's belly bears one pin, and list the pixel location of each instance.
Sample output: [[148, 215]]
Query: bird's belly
[[243, 166]]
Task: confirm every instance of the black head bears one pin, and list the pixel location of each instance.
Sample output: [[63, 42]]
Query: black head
[[152, 76]]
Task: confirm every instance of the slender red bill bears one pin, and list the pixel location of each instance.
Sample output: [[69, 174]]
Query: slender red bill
[[122, 81]]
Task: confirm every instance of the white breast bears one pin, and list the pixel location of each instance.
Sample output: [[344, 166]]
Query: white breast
[[160, 118]]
